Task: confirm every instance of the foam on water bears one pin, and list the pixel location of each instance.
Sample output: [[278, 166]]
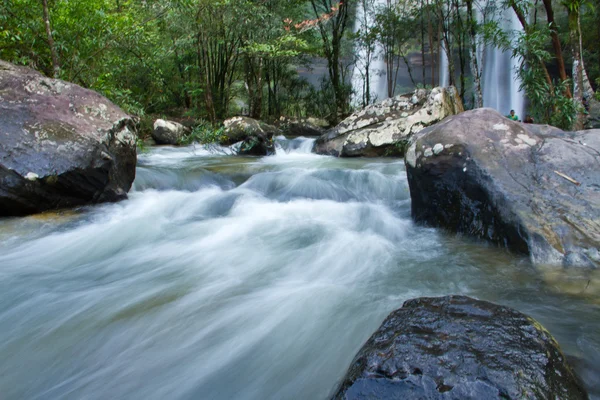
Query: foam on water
[[261, 282]]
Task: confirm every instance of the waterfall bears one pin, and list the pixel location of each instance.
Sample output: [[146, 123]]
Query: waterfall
[[377, 67], [500, 83], [499, 80], [444, 72]]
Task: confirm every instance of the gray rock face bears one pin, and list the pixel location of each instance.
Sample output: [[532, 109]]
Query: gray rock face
[[384, 128], [60, 145], [168, 132], [532, 188], [456, 347], [254, 137]]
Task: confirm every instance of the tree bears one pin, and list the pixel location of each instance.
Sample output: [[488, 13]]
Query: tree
[[55, 62], [556, 44], [365, 40], [475, 68], [332, 20], [394, 29]]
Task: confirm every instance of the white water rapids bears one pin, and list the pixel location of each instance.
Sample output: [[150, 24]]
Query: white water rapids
[[229, 277]]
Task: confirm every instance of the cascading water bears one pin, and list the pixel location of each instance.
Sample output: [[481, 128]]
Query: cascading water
[[228, 277], [444, 72], [500, 82], [377, 67], [298, 146]]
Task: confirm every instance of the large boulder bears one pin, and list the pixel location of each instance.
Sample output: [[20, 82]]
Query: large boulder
[[531, 188], [251, 137], [384, 128], [456, 347], [168, 132], [60, 145]]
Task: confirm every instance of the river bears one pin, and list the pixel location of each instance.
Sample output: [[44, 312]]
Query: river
[[229, 277]]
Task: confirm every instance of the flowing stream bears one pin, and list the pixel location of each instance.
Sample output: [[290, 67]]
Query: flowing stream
[[229, 277]]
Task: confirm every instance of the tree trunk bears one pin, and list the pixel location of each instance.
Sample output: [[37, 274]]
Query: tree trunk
[[556, 45], [459, 38], [577, 67], [53, 52], [473, 56], [431, 46], [588, 91], [332, 49], [422, 45], [598, 27]]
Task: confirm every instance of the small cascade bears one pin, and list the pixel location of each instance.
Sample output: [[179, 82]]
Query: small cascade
[[298, 145], [377, 67]]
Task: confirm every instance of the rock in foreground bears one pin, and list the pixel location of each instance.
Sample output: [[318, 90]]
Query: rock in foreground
[[253, 137], [531, 188], [168, 132], [456, 347], [384, 128], [60, 145]]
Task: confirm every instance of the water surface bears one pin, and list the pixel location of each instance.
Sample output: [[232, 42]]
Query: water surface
[[236, 277]]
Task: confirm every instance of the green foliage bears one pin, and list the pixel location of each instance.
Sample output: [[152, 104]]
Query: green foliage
[[159, 56], [547, 102], [146, 126], [204, 133], [210, 59]]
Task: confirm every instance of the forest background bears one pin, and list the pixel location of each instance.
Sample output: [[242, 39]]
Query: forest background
[[206, 60]]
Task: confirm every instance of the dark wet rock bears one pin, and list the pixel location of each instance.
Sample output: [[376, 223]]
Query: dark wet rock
[[301, 127], [456, 347], [168, 132], [60, 145], [532, 188], [384, 128], [251, 137]]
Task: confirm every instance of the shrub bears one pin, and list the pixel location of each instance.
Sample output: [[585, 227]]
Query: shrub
[[204, 133]]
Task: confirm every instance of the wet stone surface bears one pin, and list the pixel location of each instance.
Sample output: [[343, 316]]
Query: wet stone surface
[[456, 347], [531, 188], [60, 145]]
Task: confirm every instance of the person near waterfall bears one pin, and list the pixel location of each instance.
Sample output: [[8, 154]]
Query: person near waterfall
[[513, 116]]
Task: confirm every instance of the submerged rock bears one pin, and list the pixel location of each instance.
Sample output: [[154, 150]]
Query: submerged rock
[[253, 137], [60, 145], [456, 347], [531, 188], [168, 132], [384, 128]]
